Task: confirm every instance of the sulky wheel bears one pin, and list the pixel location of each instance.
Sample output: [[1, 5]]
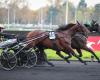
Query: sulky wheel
[[8, 60], [31, 59]]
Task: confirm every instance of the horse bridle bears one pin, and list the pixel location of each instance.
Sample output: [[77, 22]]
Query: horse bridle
[[81, 36]]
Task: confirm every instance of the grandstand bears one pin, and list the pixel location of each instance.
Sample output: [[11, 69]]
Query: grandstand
[[29, 27]]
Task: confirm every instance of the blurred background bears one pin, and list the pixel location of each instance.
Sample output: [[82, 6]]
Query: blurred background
[[46, 14]]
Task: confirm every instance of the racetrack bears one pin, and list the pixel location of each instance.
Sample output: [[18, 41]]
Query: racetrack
[[61, 71]]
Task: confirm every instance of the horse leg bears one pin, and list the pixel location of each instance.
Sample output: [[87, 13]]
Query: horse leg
[[79, 58], [55, 47], [40, 57], [92, 52], [60, 55], [73, 53], [80, 52], [45, 58], [68, 53]]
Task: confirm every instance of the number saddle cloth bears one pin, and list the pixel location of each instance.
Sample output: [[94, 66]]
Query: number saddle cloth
[[52, 35]]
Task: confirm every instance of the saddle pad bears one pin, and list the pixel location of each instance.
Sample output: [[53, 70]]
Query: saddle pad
[[52, 35]]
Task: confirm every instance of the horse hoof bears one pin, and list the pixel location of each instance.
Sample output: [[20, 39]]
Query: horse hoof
[[98, 61], [52, 65], [85, 63], [67, 61]]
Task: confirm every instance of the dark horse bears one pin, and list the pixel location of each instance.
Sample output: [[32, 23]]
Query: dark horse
[[93, 27], [79, 41], [63, 40]]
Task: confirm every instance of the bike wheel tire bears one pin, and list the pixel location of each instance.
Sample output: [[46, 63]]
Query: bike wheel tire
[[31, 59], [8, 60]]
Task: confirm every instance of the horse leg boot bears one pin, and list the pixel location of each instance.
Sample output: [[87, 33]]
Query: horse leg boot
[[60, 55], [92, 52]]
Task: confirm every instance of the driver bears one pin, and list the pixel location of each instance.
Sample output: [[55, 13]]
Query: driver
[[5, 35]]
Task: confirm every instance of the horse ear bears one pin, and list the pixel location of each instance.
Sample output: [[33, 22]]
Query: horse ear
[[78, 23], [95, 21]]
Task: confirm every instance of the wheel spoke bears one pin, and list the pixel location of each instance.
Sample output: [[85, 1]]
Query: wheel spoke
[[31, 60], [8, 62]]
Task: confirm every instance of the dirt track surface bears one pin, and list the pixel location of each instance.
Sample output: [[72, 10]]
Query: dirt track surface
[[61, 71]]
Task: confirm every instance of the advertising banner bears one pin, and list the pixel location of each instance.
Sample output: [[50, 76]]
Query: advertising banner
[[93, 42]]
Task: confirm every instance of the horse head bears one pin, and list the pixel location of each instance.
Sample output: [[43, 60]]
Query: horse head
[[74, 28], [82, 29], [95, 26]]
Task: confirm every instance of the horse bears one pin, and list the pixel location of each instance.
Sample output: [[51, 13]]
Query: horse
[[79, 41], [41, 56], [63, 40], [93, 27]]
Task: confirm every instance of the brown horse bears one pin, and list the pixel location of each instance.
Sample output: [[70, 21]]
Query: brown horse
[[79, 41], [63, 40]]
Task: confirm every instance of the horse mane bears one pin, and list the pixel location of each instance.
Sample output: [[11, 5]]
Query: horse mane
[[65, 27]]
